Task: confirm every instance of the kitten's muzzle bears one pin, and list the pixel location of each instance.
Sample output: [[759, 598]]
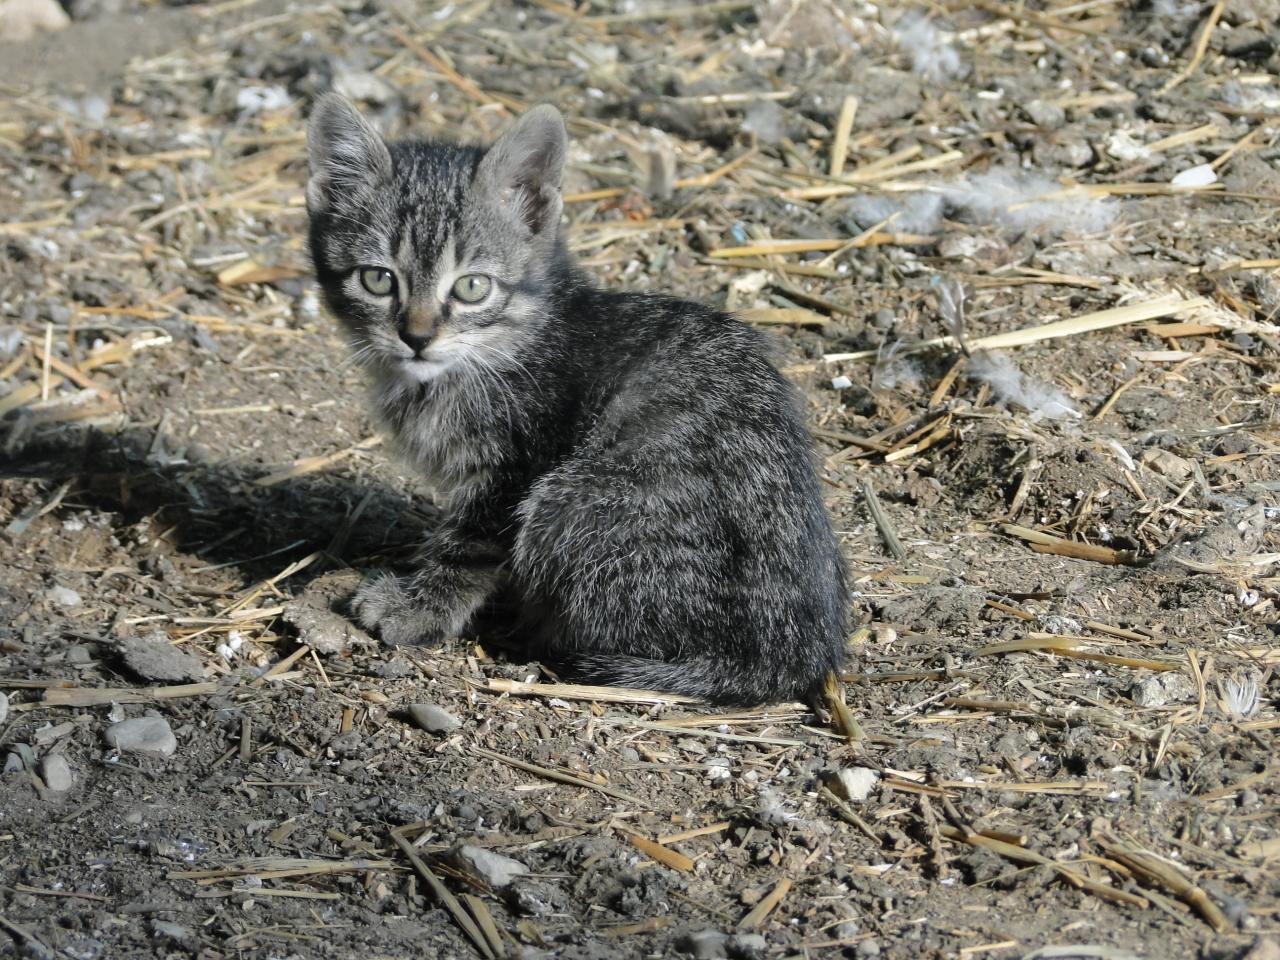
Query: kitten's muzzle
[[418, 328]]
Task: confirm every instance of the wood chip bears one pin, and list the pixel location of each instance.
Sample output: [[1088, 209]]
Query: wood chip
[[93, 696], [560, 776], [756, 918], [665, 856], [1042, 542], [1168, 305]]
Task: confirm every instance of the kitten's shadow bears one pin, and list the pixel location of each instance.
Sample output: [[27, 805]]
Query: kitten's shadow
[[218, 514]]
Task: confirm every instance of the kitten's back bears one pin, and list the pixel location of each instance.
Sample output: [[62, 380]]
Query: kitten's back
[[684, 545]]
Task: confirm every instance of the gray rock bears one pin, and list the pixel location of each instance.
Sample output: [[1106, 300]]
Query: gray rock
[[855, 783], [174, 932], [747, 946], [972, 247], [86, 9], [155, 658], [149, 736], [526, 902], [869, 948], [705, 945], [24, 18], [364, 86], [493, 868], [1172, 687], [80, 655], [56, 773], [1249, 44], [4, 707], [1047, 116], [1062, 153], [433, 719], [63, 597], [1265, 948]]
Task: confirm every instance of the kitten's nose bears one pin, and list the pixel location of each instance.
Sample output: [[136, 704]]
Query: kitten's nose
[[418, 327], [415, 343]]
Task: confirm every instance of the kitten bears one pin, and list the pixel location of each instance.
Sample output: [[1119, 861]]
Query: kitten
[[633, 466]]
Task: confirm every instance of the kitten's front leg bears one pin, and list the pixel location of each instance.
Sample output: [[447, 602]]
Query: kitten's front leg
[[435, 602]]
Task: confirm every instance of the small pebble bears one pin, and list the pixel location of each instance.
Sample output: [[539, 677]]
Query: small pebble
[[22, 19], [855, 783], [149, 736], [968, 246], [433, 719], [706, 945], [1201, 175], [869, 948], [1264, 949], [493, 868], [168, 930], [56, 773], [63, 597], [256, 99], [1047, 116], [1166, 688], [154, 658], [526, 902], [747, 946], [79, 655], [4, 707], [365, 86], [1249, 44]]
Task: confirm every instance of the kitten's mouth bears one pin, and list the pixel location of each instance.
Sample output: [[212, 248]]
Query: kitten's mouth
[[422, 368]]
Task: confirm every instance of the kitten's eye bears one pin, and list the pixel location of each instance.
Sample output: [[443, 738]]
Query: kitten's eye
[[472, 288], [378, 281]]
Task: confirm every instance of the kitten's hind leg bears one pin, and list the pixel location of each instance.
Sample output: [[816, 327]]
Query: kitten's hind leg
[[433, 603]]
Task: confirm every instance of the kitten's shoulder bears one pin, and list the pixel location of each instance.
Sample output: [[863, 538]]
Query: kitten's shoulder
[[674, 317]]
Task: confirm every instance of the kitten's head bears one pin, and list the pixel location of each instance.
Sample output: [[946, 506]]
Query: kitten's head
[[434, 255]]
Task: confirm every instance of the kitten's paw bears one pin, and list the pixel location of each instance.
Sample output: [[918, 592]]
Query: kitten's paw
[[384, 603]]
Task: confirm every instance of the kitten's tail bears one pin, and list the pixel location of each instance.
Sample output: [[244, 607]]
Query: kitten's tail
[[715, 681]]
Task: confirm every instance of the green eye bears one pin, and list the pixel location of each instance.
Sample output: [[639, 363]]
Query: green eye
[[472, 288], [378, 281]]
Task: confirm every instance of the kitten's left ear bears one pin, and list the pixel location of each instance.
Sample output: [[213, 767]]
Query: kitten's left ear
[[525, 165], [344, 152]]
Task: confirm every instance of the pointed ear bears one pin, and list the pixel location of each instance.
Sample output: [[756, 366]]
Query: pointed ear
[[344, 152], [523, 168]]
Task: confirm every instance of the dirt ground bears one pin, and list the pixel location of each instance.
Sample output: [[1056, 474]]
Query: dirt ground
[[1063, 541]]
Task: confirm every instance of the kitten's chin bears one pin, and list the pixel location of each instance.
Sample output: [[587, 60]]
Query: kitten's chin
[[424, 370]]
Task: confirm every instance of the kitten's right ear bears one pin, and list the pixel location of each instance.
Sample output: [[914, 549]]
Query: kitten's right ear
[[344, 152]]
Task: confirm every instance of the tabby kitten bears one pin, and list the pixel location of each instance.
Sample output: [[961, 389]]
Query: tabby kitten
[[633, 466]]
